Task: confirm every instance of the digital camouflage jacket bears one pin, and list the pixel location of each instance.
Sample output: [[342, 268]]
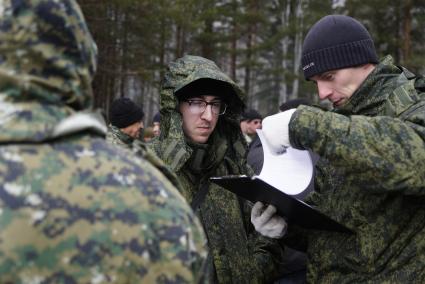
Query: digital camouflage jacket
[[371, 178], [73, 208], [115, 136], [239, 255]]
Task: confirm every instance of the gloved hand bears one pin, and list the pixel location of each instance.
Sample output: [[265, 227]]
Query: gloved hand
[[266, 222], [276, 130]]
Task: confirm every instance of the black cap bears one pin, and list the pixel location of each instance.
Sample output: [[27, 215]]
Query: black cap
[[125, 112], [251, 114], [206, 87], [335, 42], [156, 117]]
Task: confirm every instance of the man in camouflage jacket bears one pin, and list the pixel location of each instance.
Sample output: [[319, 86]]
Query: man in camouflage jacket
[[74, 209], [238, 253], [126, 123], [371, 175]]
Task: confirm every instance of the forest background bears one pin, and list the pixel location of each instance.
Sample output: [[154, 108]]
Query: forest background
[[256, 42]]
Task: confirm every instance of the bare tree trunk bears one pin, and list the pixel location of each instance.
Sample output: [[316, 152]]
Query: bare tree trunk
[[248, 59], [178, 50], [233, 53], [207, 49], [162, 46], [183, 42], [407, 28], [233, 47], [297, 47], [123, 51], [102, 24], [285, 20]]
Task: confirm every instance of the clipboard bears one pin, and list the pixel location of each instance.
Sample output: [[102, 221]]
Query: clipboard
[[294, 210]]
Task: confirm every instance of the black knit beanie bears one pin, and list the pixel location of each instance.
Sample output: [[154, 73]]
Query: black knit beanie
[[157, 117], [251, 114], [335, 42], [125, 112]]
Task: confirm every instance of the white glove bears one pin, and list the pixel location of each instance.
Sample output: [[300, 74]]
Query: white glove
[[276, 130], [266, 222]]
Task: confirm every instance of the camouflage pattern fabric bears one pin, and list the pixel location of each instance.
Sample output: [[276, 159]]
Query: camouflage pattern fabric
[[239, 254], [117, 137], [73, 208], [371, 179]]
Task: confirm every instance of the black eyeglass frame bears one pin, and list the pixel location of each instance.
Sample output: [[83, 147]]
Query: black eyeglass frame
[[205, 104]]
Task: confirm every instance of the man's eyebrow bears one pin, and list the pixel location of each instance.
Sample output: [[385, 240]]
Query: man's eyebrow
[[201, 99], [324, 74], [215, 100], [196, 99]]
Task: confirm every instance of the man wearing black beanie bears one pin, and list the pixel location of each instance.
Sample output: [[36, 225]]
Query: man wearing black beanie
[[250, 122], [125, 122], [371, 173]]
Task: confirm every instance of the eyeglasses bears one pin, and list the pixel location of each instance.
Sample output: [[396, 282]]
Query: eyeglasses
[[199, 106]]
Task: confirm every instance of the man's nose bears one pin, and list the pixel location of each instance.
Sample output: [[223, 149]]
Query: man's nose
[[207, 114], [323, 90]]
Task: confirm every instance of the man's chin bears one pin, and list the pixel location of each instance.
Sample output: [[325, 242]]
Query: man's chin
[[202, 139]]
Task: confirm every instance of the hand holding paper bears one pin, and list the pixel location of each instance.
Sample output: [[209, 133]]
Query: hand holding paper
[[290, 172], [276, 130], [267, 222], [284, 178]]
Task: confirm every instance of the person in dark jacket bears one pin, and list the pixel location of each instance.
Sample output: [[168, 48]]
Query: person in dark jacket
[[371, 172], [255, 148], [250, 122], [156, 124]]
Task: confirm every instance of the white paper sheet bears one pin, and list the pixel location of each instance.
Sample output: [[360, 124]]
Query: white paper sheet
[[290, 172]]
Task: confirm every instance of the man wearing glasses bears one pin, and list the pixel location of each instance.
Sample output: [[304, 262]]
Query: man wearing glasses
[[200, 138], [200, 116]]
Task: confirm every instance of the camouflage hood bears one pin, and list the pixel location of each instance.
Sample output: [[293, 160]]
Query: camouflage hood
[[171, 146], [189, 69], [47, 61], [238, 255]]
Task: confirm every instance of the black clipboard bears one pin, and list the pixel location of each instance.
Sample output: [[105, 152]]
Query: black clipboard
[[294, 210]]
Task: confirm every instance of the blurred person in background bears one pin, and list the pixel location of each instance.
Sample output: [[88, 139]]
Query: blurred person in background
[[156, 124], [148, 134], [249, 123], [126, 122]]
